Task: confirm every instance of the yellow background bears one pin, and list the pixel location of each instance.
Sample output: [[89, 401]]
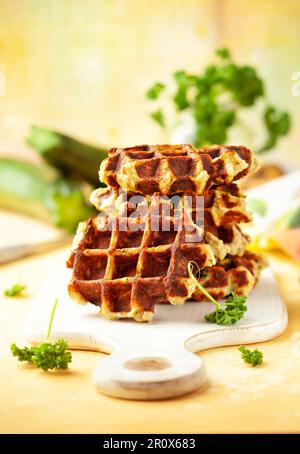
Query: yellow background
[[83, 66]]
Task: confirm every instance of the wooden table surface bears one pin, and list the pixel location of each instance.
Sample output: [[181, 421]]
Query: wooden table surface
[[238, 398]]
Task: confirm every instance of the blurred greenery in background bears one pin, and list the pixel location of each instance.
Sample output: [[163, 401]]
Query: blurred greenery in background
[[214, 97]]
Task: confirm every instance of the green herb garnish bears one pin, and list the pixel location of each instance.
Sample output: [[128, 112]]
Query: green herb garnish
[[155, 90], [254, 357], [46, 355], [215, 97], [227, 313], [158, 116], [15, 290], [277, 124]]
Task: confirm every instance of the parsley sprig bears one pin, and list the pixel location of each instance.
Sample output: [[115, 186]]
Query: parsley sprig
[[254, 357], [15, 290], [214, 99], [227, 313], [46, 355]]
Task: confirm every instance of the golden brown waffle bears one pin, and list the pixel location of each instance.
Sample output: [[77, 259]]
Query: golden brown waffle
[[136, 252], [126, 263], [219, 213], [234, 274], [129, 282], [221, 206], [117, 265], [161, 217], [171, 169]]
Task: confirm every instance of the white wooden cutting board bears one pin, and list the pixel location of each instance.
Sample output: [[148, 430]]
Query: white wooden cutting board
[[152, 360]]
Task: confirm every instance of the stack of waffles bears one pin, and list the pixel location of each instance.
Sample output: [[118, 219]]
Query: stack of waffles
[[163, 207]]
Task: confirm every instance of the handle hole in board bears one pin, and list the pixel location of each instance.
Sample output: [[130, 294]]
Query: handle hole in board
[[148, 364]]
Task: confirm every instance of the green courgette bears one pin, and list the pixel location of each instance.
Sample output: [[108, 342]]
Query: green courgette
[[43, 193], [71, 157]]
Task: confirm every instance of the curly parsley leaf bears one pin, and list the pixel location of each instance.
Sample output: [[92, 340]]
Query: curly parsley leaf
[[158, 116], [227, 313], [155, 90], [15, 290], [23, 354], [183, 82], [277, 124], [46, 355], [223, 53], [67, 205], [254, 357]]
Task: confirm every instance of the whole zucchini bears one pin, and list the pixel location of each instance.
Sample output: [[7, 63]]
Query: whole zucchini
[[71, 157], [42, 193]]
